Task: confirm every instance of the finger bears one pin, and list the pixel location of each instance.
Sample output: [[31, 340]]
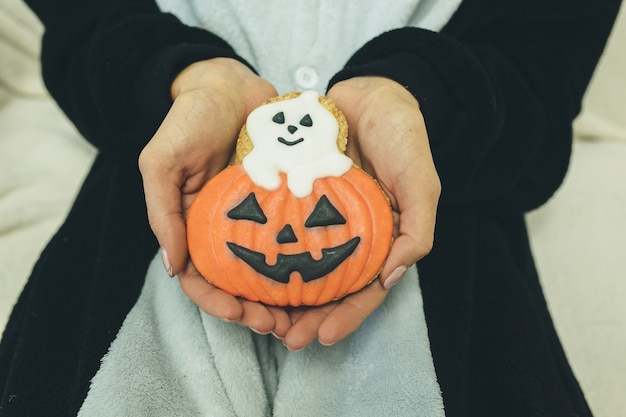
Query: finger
[[305, 329], [165, 215], [257, 317], [168, 225], [282, 322], [416, 193], [210, 299], [294, 315], [414, 241], [350, 314]]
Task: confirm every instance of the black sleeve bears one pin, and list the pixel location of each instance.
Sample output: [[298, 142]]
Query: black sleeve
[[499, 88], [110, 64]]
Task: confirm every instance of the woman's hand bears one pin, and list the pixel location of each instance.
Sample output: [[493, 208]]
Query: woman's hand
[[388, 139], [196, 141]]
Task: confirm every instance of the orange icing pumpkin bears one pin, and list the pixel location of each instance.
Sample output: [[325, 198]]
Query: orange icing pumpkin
[[272, 247]]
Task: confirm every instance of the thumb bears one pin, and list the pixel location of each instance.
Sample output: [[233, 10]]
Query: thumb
[[414, 241], [165, 214], [404, 253]]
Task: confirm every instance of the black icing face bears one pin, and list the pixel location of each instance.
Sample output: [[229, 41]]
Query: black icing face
[[305, 122], [324, 214]]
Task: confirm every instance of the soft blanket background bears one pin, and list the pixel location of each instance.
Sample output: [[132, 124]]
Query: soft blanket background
[[170, 360], [579, 237]]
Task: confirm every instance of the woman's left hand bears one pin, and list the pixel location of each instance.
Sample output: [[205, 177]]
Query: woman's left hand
[[388, 139]]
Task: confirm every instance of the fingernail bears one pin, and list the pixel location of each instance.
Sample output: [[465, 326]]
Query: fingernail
[[326, 344], [166, 262], [259, 332], [395, 277], [292, 349], [277, 336]]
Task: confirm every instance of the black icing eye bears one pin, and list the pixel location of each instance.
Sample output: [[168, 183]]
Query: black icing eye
[[324, 214], [306, 121], [248, 209], [279, 118]]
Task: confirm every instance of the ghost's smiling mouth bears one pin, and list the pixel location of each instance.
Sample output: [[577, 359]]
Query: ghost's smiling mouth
[[290, 143]]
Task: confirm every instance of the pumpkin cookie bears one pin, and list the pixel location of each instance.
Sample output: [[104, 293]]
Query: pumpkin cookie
[[293, 222]]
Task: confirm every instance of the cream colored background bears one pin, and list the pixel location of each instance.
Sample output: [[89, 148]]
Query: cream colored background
[[579, 237]]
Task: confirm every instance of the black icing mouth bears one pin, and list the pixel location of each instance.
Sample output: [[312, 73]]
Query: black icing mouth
[[290, 143], [309, 268]]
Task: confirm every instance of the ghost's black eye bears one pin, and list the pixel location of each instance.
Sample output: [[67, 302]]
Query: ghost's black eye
[[306, 121], [324, 214], [248, 209], [279, 118]]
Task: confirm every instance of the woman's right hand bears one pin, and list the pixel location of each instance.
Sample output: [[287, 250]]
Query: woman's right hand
[[195, 141]]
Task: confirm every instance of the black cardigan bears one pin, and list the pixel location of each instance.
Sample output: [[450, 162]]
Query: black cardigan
[[499, 88]]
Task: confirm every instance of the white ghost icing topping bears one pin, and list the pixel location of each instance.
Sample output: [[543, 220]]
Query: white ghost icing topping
[[297, 137]]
